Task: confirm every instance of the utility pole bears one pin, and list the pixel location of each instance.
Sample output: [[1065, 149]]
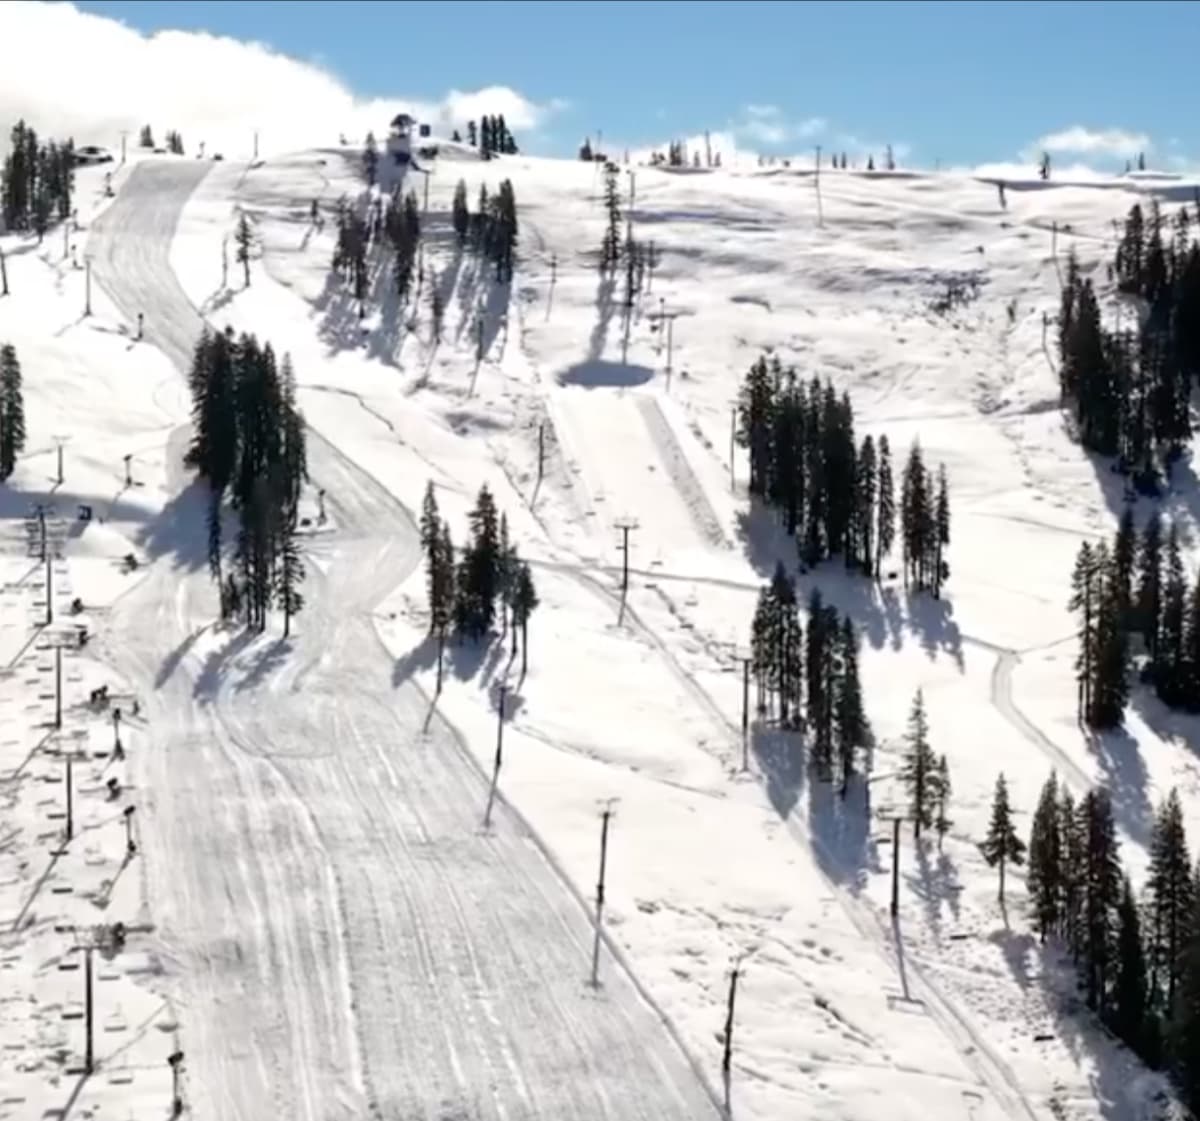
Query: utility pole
[[66, 240], [124, 134], [128, 475], [175, 1062], [59, 441], [58, 688], [87, 290], [89, 1059], [896, 866], [727, 1056], [605, 818], [661, 317], [732, 448], [70, 800], [3, 275], [130, 844], [629, 212], [118, 750], [746, 660], [817, 181], [625, 525], [49, 587], [256, 144], [541, 450], [487, 816]]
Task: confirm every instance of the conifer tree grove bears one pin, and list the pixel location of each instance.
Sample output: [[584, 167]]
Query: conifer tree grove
[[249, 443], [12, 410], [831, 495], [37, 181]]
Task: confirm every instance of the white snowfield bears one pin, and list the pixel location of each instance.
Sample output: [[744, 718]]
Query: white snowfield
[[324, 927]]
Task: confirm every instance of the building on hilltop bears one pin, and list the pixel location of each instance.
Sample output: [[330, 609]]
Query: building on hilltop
[[399, 142]]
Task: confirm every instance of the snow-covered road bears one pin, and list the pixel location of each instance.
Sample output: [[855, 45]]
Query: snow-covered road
[[339, 937]]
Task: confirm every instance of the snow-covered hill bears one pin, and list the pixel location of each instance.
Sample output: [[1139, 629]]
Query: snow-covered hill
[[322, 925]]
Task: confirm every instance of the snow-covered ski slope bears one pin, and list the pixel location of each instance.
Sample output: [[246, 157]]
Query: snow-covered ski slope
[[328, 932]]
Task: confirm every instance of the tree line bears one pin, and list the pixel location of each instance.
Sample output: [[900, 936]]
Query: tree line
[[1135, 606], [1137, 956], [485, 578], [491, 230], [620, 250], [1129, 389], [249, 443], [807, 680], [492, 137], [830, 495], [12, 411], [37, 181]]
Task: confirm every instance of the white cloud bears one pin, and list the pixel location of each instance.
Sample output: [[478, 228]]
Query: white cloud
[[767, 125], [69, 72], [1079, 140]]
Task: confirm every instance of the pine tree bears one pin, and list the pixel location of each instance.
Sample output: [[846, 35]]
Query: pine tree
[[12, 411], [244, 238], [851, 721], [1183, 1035], [610, 249], [817, 653], [1148, 600], [370, 160], [1129, 1004], [524, 603], [1044, 880], [441, 591], [885, 509], [437, 308], [941, 569], [1102, 881], [461, 212], [1124, 557], [146, 137], [1074, 853], [1171, 896], [1170, 664], [1002, 846], [866, 488], [918, 768], [479, 571], [1084, 599], [289, 574], [941, 819], [472, 138]]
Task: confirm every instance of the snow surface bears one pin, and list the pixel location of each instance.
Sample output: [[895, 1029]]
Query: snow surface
[[317, 916]]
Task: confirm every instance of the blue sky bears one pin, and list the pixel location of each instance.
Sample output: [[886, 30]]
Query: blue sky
[[959, 83]]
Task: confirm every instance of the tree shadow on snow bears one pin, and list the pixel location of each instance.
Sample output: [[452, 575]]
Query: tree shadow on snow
[[605, 306], [882, 611], [208, 682], [264, 662], [1125, 779], [841, 833], [780, 756], [171, 662], [1117, 1078], [420, 657], [1017, 948], [936, 884], [180, 530]]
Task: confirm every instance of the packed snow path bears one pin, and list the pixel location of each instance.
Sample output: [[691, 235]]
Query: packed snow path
[[340, 938]]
